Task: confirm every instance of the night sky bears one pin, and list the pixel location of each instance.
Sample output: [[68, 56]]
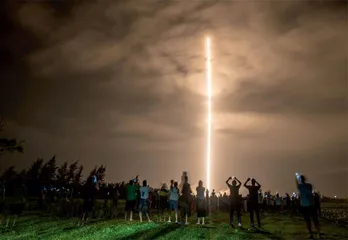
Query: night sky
[[122, 83]]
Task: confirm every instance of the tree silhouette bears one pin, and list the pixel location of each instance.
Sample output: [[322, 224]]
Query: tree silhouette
[[48, 172], [62, 175], [78, 176], [8, 175], [71, 172], [9, 145], [33, 177], [100, 173]]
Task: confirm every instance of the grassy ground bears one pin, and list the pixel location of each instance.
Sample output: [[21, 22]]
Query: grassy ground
[[285, 227]]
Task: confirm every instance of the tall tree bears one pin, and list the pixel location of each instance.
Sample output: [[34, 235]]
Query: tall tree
[[33, 177], [34, 170], [62, 175], [48, 172], [9, 145], [8, 175], [78, 176], [101, 173], [71, 172], [93, 172]]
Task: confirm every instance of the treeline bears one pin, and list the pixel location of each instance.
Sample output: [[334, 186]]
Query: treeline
[[48, 175]]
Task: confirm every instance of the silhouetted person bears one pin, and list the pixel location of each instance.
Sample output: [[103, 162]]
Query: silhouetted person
[[174, 201], [234, 200], [201, 206], [2, 201], [317, 203], [185, 204], [253, 206], [115, 197], [131, 198], [308, 205], [277, 203], [89, 194], [17, 203], [143, 202], [163, 202]]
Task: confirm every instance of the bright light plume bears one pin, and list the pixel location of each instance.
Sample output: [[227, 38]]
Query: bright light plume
[[209, 113]]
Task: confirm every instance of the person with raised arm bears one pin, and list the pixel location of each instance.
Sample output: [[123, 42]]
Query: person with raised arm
[[89, 194], [253, 201], [234, 199], [131, 198], [307, 204], [144, 201]]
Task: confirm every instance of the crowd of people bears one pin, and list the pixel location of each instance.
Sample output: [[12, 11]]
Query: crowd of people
[[173, 203]]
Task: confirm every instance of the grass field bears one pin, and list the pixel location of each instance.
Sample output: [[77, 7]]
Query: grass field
[[33, 226]]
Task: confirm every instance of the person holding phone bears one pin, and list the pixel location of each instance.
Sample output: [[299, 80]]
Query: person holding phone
[[308, 205], [144, 201], [131, 198], [89, 193]]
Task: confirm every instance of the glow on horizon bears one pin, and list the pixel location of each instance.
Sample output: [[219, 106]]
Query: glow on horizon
[[209, 114]]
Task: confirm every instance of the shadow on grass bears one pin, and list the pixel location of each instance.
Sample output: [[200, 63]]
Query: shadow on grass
[[263, 232], [150, 233]]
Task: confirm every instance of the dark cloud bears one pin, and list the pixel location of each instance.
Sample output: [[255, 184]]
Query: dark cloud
[[122, 83], [285, 98]]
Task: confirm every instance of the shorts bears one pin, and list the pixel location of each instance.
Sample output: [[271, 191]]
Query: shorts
[[310, 213], [143, 203], [173, 205], [130, 205]]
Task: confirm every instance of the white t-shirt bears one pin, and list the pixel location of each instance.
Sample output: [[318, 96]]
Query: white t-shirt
[[144, 192], [174, 194]]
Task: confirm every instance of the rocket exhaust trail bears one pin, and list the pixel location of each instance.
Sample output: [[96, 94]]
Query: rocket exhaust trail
[[209, 114]]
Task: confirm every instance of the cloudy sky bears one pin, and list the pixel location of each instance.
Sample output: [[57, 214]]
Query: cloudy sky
[[122, 83]]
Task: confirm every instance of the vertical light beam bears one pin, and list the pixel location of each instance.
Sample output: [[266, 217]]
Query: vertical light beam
[[209, 114]]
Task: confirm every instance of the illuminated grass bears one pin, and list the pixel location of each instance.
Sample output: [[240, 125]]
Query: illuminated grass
[[275, 227]]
